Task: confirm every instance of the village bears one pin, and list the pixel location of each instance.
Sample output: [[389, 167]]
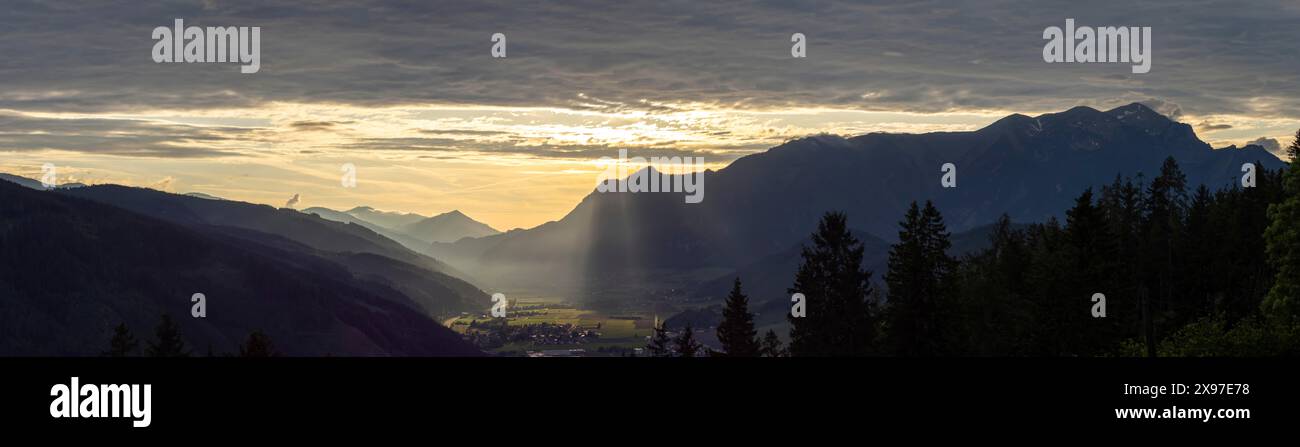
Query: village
[[537, 327]]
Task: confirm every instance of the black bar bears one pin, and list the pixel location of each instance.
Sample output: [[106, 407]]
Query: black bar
[[409, 394]]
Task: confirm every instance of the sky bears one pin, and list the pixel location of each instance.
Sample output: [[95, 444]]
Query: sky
[[408, 91]]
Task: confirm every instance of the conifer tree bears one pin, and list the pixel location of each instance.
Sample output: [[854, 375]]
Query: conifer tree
[[123, 343], [169, 342], [258, 345], [736, 332], [920, 284], [1091, 254], [660, 343], [839, 318], [685, 343], [1166, 205], [771, 346]]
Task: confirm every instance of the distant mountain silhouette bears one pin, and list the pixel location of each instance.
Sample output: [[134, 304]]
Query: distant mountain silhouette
[[35, 184], [448, 227], [386, 219], [291, 230], [1027, 167], [23, 181], [417, 245], [413, 231], [72, 269]]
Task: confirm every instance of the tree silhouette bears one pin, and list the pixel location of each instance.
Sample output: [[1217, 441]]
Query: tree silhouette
[[839, 320], [736, 332], [996, 310], [258, 345], [1090, 254], [1166, 205], [660, 343], [169, 342], [685, 343], [919, 280], [123, 343], [1121, 204], [771, 346]]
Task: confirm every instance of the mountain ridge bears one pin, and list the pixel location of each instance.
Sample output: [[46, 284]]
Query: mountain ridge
[[74, 268], [309, 234], [1030, 168]]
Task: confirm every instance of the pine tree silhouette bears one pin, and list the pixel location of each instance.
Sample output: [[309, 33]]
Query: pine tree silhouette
[[920, 285], [123, 343], [736, 332], [685, 343], [1166, 205], [169, 342], [258, 345], [771, 346], [839, 320], [1086, 271], [660, 343]]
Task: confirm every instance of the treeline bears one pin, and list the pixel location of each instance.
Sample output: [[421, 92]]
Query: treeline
[[1183, 272], [168, 342]]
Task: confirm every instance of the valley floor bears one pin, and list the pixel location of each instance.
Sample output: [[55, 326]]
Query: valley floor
[[548, 327]]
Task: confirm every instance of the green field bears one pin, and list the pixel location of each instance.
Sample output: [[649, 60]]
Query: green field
[[622, 331]]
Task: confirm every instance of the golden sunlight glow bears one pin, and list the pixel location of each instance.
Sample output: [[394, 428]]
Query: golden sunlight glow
[[509, 167]]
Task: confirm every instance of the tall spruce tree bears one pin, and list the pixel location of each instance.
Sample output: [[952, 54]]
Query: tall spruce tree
[[837, 290], [169, 342], [1196, 296], [1121, 203], [736, 332], [123, 343], [1166, 205], [920, 284], [1048, 260], [1091, 255]]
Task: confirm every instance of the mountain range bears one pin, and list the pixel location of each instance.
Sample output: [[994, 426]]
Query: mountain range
[[415, 231], [654, 246], [77, 262], [35, 184]]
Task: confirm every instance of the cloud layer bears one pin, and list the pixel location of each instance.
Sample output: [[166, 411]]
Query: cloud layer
[[927, 56], [382, 83]]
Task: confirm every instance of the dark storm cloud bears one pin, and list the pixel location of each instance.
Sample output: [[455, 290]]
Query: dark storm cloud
[[927, 56]]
